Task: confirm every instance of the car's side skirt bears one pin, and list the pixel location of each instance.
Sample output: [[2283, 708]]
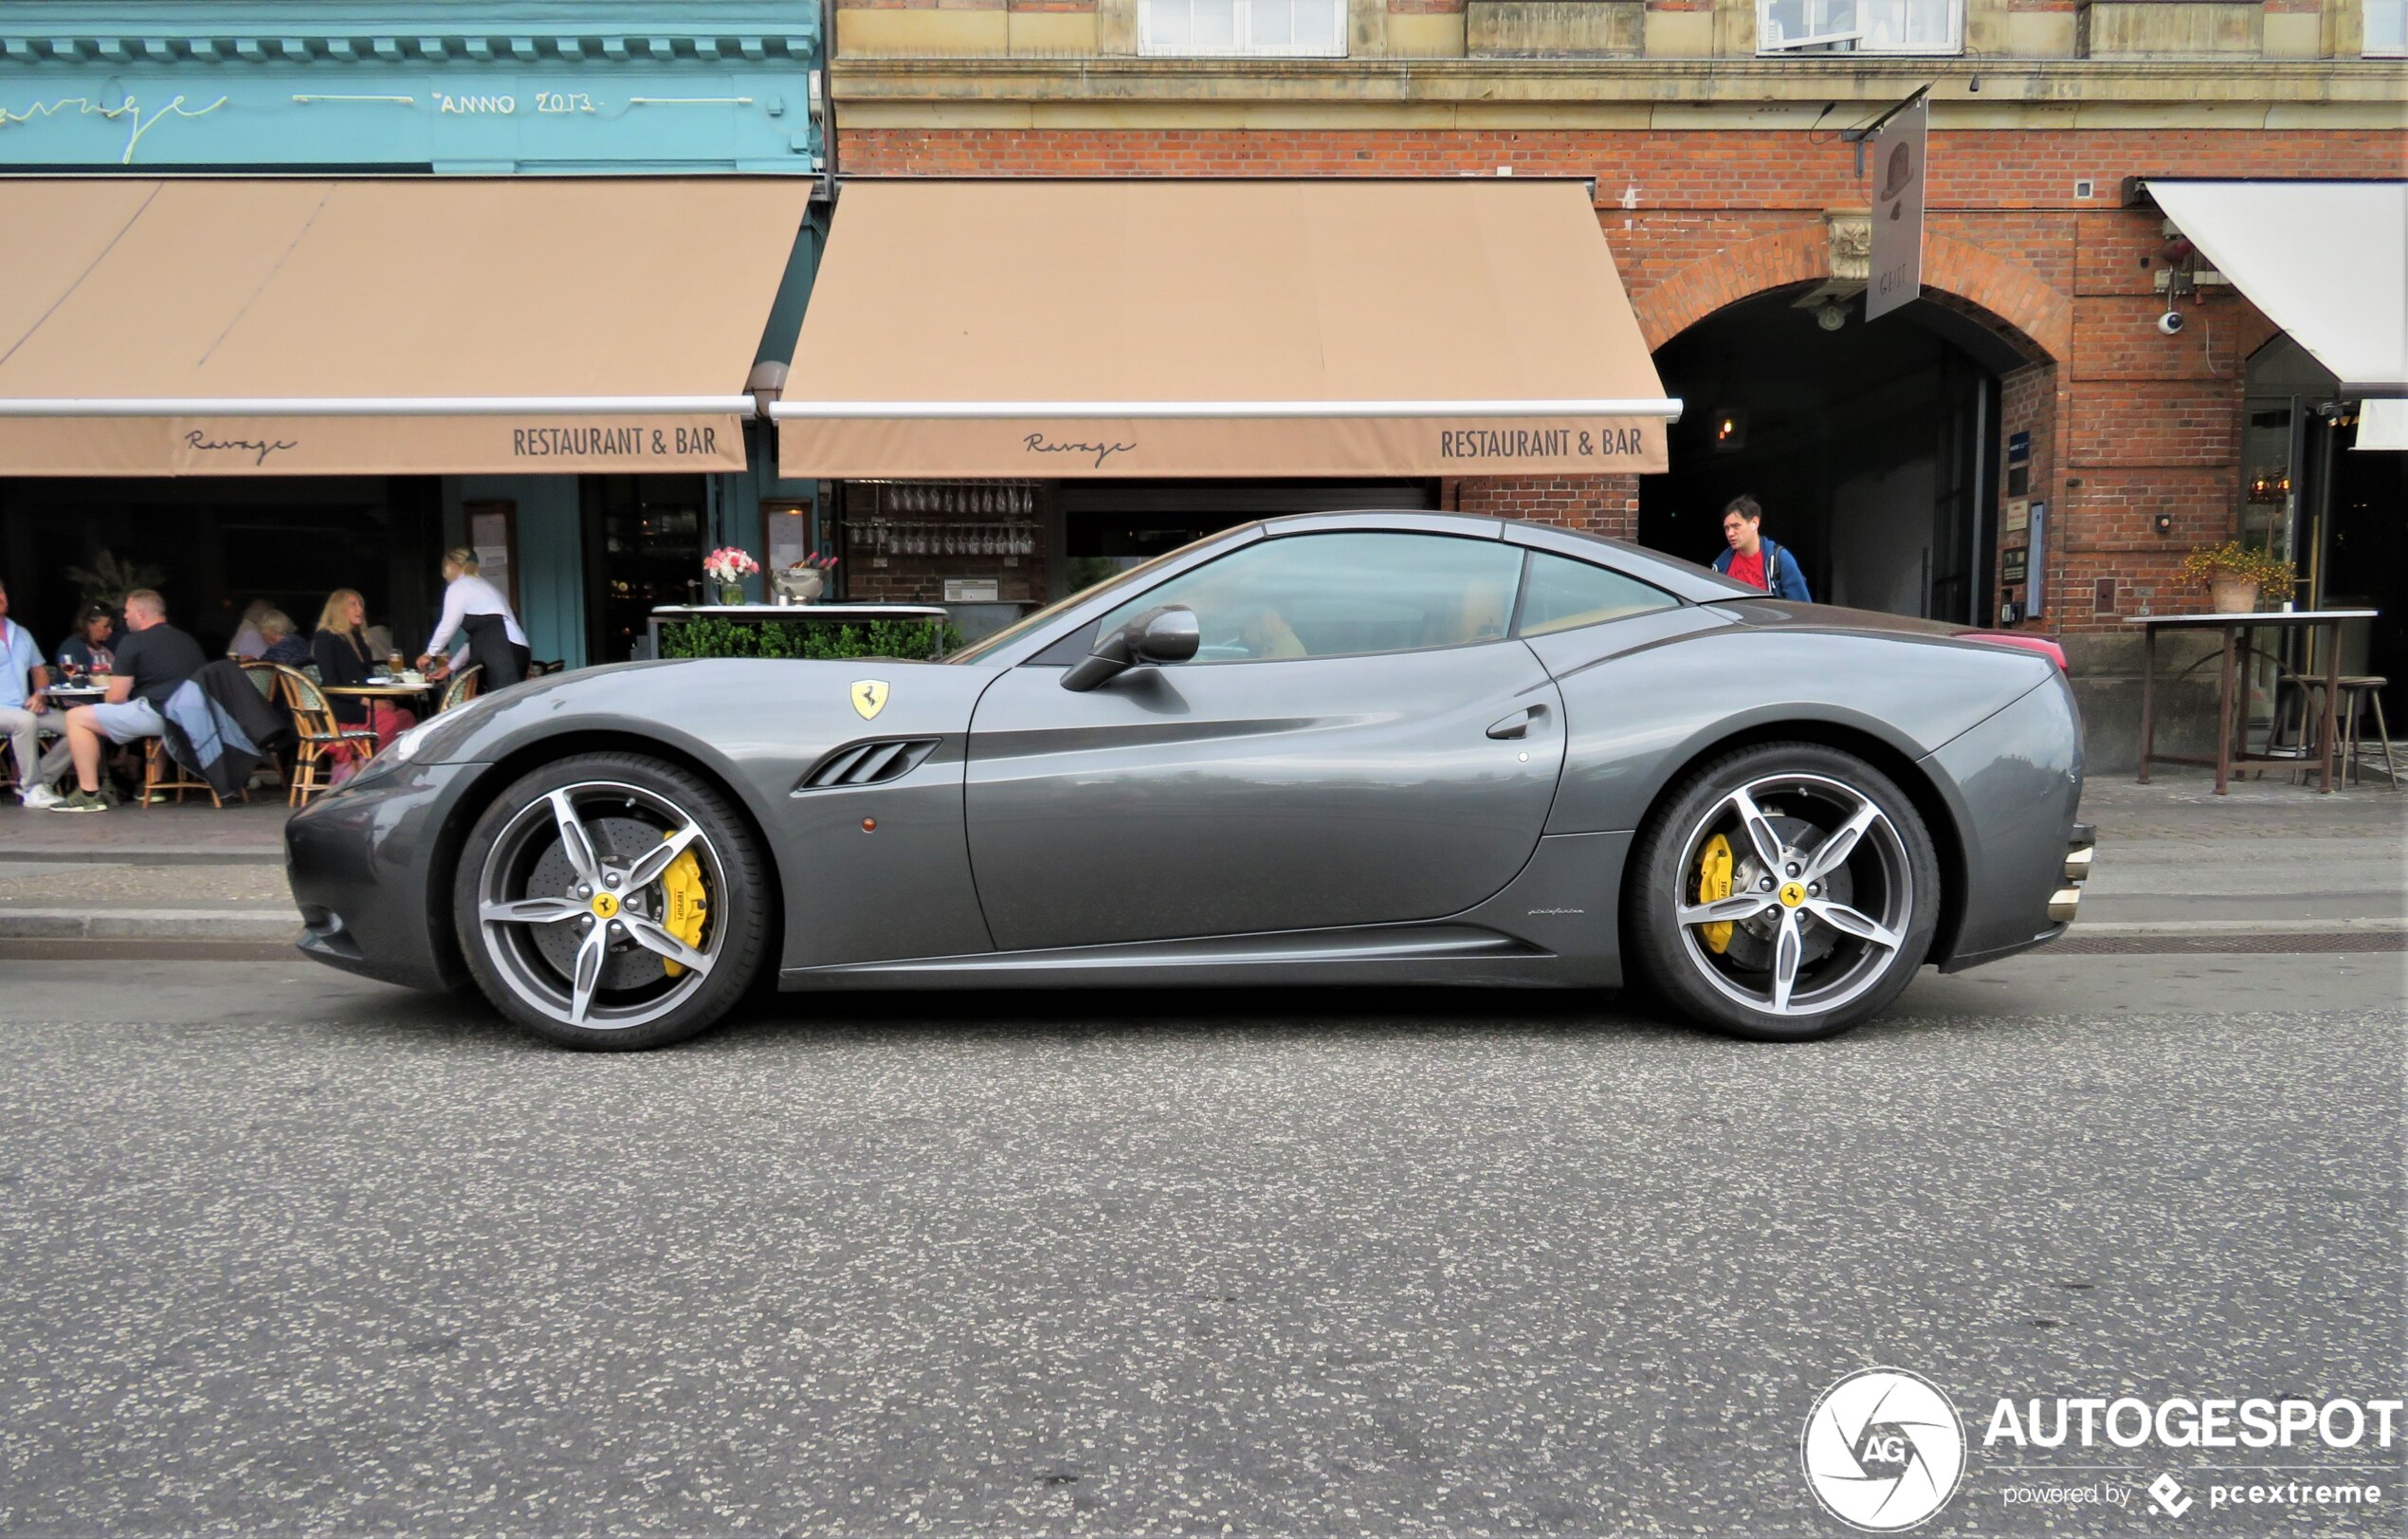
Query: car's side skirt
[[1552, 928], [1429, 953]]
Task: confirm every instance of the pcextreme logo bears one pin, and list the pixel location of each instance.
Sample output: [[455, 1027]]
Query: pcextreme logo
[[1883, 1450]]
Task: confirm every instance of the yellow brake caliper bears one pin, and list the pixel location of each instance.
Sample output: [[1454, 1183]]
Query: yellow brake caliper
[[687, 904], [1714, 884]]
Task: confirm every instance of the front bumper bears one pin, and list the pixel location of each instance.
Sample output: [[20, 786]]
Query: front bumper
[[371, 872]]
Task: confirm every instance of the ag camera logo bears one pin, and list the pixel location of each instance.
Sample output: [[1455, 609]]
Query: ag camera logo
[[1883, 1450]]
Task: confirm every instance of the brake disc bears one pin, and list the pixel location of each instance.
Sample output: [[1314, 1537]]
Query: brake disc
[[617, 841]]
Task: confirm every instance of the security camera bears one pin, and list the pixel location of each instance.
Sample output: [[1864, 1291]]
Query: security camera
[[2170, 323]]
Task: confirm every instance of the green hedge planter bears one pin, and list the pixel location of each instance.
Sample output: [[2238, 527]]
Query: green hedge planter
[[713, 638]]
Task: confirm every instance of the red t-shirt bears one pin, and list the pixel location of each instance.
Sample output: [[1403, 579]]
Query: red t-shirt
[[1750, 569]]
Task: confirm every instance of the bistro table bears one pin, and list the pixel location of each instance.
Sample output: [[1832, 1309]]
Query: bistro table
[[71, 695], [2237, 645], [378, 691], [802, 614]]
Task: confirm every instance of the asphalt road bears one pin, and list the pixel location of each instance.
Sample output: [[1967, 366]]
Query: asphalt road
[[284, 1251]]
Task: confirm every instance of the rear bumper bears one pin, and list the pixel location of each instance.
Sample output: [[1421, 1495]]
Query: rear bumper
[[2014, 783], [368, 871], [2062, 904]]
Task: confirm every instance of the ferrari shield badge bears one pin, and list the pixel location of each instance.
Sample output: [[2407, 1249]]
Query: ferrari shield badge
[[869, 697]]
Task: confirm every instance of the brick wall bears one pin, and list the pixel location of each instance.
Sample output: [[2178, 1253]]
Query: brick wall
[[921, 579], [1598, 504]]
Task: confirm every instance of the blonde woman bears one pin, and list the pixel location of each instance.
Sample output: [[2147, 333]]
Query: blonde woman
[[474, 610], [342, 652]]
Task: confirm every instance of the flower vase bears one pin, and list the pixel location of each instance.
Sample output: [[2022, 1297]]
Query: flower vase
[[2225, 596], [731, 592]]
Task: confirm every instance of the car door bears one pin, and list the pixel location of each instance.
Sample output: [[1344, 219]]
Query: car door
[[1356, 742]]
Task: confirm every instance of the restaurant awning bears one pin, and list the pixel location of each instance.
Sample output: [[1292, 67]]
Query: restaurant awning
[[1219, 328], [2327, 261], [293, 327]]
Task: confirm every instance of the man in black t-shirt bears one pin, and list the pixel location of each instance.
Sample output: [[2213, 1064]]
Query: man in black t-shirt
[[150, 661]]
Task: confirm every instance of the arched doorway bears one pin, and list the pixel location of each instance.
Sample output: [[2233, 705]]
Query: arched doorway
[[1871, 446]]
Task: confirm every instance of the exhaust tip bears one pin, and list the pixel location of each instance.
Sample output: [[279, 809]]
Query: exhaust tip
[[2061, 907], [2077, 863]]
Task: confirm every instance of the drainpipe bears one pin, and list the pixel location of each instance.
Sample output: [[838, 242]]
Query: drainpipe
[[827, 102]]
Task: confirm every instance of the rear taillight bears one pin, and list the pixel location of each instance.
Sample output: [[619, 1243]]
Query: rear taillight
[[2042, 644]]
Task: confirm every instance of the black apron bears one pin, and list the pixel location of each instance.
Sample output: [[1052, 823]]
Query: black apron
[[489, 648]]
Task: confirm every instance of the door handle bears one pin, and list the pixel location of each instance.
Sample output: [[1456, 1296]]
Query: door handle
[[1519, 724]]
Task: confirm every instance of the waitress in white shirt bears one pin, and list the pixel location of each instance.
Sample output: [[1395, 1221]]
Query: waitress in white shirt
[[474, 611]]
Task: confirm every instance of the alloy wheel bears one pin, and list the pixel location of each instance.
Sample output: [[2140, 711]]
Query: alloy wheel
[[592, 911], [1797, 894]]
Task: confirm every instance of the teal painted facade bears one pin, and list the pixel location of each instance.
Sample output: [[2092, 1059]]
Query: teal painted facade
[[429, 87], [593, 87]]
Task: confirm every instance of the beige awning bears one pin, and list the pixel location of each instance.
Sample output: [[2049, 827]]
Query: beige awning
[[1219, 328], [291, 326]]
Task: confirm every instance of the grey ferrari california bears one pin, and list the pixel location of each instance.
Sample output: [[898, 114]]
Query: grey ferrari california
[[1337, 748]]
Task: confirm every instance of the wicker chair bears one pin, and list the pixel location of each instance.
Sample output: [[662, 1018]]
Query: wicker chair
[[315, 736], [163, 777], [462, 687]]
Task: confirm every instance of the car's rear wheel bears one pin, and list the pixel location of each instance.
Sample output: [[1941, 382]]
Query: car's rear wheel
[[612, 901], [1785, 893]]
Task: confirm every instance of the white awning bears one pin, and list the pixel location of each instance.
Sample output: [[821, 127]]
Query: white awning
[[2383, 424], [2327, 261]]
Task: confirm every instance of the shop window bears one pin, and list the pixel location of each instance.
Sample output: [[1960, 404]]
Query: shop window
[[1860, 26], [1261, 28], [1343, 596], [2386, 28]]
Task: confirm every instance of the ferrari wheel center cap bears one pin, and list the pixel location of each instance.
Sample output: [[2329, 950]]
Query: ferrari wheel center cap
[[606, 905], [1792, 894]]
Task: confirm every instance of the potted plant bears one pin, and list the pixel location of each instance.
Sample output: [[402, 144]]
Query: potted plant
[[2236, 574], [729, 567]]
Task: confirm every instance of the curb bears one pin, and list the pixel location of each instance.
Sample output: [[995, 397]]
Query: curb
[[149, 925]]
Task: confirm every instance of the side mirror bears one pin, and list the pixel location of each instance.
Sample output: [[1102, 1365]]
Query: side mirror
[[1166, 634]]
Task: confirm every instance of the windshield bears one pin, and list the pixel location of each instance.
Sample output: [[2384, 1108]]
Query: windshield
[[984, 646]]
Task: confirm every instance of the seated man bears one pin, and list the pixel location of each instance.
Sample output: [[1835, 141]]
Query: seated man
[[155, 658], [22, 679]]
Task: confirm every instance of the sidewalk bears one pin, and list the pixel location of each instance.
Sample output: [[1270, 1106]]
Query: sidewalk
[[169, 873], [2269, 860]]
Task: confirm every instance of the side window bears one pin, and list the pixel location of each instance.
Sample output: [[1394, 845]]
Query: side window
[[1342, 594], [1562, 595]]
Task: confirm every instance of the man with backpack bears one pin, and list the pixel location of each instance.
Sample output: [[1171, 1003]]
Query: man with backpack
[[1756, 560]]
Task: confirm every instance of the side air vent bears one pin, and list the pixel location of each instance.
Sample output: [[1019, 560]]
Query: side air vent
[[867, 764]]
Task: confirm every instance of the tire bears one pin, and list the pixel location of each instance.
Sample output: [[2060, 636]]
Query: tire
[[570, 943], [1847, 930]]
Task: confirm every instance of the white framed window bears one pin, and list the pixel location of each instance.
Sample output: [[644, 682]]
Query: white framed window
[[1862, 25], [2386, 30], [1245, 29]]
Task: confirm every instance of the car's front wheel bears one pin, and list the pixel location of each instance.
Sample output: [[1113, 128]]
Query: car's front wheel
[[612, 901], [1785, 893]]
